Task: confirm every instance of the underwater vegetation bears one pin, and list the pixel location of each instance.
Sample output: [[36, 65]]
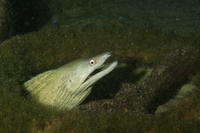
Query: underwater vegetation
[[23, 57]]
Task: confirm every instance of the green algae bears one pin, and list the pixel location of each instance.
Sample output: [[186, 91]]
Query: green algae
[[22, 57]]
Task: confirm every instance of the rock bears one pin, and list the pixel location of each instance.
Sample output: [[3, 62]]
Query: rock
[[21, 16], [184, 91]]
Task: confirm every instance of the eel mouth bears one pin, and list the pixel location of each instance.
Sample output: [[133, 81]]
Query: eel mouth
[[95, 72], [101, 72]]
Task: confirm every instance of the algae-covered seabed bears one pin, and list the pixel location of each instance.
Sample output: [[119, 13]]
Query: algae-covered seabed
[[150, 31]]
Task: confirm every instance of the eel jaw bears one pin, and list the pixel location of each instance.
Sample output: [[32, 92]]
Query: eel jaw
[[92, 78]]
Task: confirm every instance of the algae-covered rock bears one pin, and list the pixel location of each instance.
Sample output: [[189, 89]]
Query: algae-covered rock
[[176, 101], [22, 16], [23, 57]]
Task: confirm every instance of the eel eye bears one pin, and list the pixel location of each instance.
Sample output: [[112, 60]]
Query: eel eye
[[92, 62]]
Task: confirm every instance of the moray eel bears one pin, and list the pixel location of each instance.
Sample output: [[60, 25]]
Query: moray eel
[[67, 86]]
